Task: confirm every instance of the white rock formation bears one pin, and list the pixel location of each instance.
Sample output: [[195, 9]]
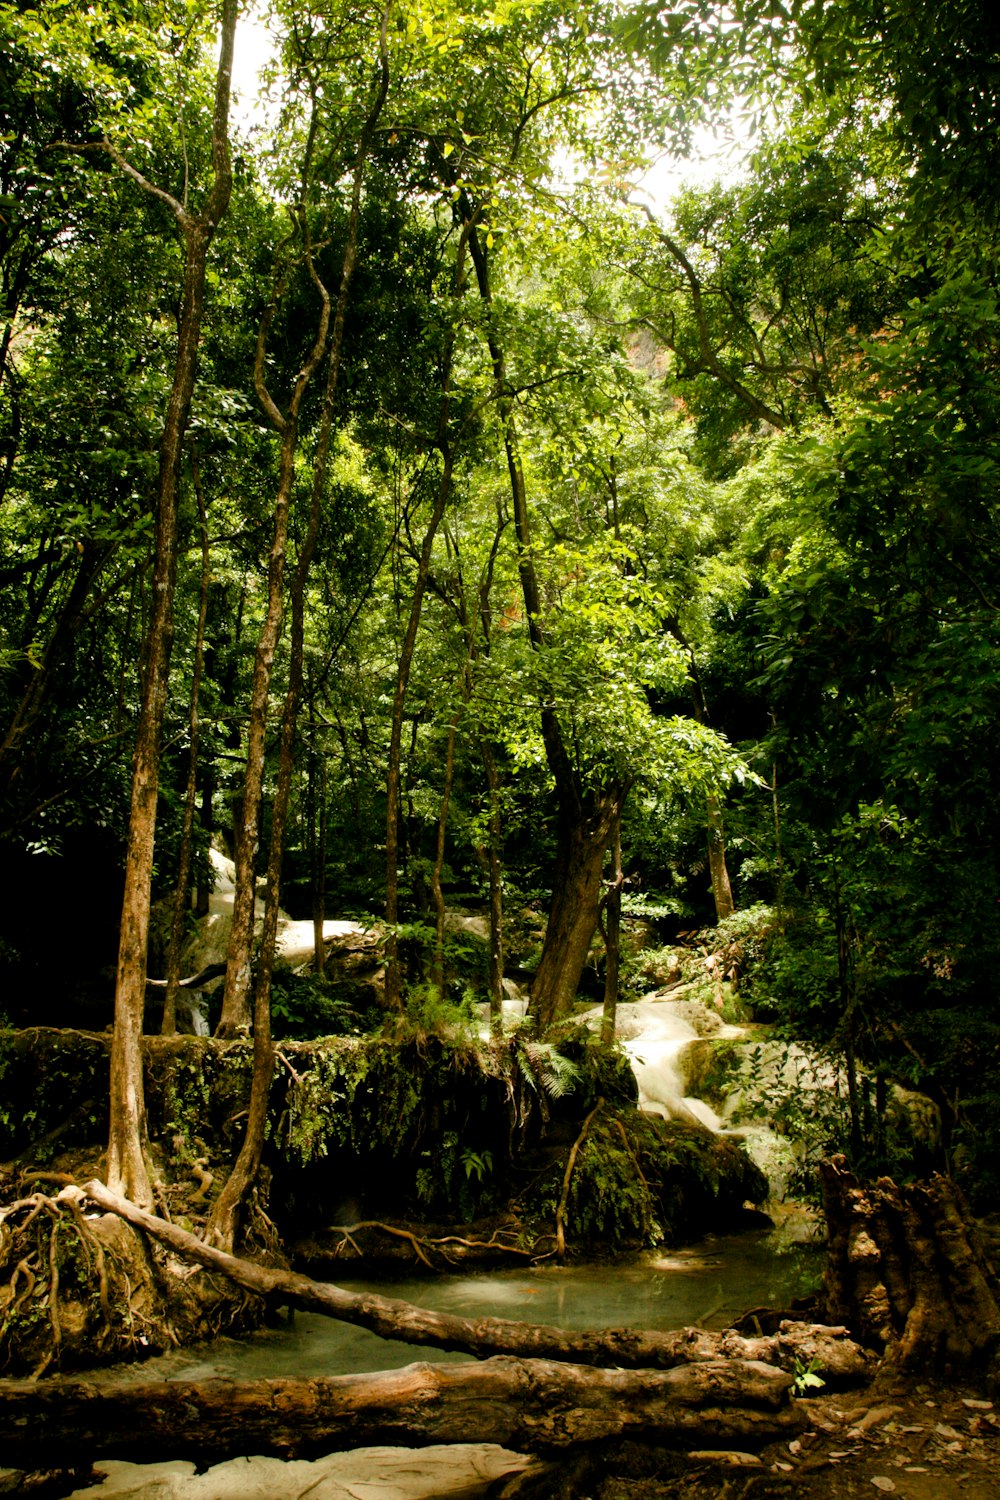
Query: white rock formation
[[462, 1470]]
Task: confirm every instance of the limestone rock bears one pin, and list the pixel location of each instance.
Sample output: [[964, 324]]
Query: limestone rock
[[456, 1471]]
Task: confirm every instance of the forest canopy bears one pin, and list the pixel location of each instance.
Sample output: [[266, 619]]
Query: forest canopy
[[396, 495]]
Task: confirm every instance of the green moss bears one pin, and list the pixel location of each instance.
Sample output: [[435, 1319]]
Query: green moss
[[424, 1127], [642, 1181]]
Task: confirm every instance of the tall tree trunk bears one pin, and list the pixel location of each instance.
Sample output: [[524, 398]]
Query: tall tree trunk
[[496, 890], [582, 842], [612, 938], [393, 974], [236, 1015], [126, 1166], [582, 835], [224, 1221], [437, 968], [169, 1024], [317, 840]]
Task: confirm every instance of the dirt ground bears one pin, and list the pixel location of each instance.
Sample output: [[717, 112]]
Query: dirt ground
[[917, 1442]]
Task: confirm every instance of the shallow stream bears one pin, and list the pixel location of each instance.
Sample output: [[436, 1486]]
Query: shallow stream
[[710, 1284]]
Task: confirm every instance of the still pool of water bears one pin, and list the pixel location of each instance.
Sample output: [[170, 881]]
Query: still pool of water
[[710, 1284]]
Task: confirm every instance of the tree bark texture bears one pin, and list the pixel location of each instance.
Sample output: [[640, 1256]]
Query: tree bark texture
[[168, 1025], [907, 1272], [722, 891], [403, 1321], [126, 1166], [576, 896], [526, 1405]]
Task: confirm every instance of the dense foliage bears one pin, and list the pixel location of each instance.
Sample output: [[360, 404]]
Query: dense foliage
[[545, 519]]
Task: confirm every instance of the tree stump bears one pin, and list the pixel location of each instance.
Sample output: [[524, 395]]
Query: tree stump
[[907, 1273]]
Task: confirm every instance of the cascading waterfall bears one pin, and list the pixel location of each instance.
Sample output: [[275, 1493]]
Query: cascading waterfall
[[658, 1034]]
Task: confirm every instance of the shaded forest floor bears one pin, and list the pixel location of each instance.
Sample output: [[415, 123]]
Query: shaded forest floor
[[918, 1441]]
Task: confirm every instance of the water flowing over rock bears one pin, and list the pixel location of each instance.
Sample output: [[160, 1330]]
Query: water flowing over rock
[[656, 1033], [209, 941], [672, 1040]]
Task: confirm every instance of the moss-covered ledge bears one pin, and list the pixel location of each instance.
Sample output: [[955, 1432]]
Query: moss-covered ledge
[[416, 1128]]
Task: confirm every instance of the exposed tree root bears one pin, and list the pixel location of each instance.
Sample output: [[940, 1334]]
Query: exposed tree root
[[78, 1287], [423, 1246], [568, 1178]]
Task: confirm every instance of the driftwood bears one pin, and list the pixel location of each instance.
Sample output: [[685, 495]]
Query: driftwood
[[833, 1355], [907, 1272], [533, 1406]]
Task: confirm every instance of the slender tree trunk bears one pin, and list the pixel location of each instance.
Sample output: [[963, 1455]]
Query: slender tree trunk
[[317, 847], [393, 974], [496, 890], [236, 1013], [612, 938], [169, 1024], [722, 892], [437, 969], [236, 1016], [224, 1221], [126, 1166]]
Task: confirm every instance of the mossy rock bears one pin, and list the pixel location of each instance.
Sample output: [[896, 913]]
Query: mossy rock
[[639, 1180]]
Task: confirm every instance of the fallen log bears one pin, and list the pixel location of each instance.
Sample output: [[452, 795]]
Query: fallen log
[[907, 1272], [531, 1406], [829, 1350]]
